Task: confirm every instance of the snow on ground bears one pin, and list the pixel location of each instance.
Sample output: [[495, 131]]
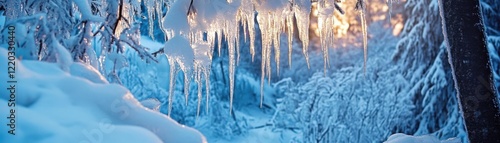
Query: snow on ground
[[54, 106], [402, 138], [259, 129]]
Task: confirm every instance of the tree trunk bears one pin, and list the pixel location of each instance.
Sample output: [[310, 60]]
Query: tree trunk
[[468, 55]]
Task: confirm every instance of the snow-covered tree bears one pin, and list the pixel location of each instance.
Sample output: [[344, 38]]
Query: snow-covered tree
[[419, 82], [78, 27]]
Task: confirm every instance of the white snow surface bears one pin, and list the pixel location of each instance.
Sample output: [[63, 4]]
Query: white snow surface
[[179, 50], [53, 106], [403, 138], [175, 22], [86, 11]]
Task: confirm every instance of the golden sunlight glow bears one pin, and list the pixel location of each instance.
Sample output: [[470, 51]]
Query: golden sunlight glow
[[398, 23], [347, 27]]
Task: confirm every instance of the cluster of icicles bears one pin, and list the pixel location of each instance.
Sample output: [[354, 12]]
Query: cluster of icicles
[[193, 27]]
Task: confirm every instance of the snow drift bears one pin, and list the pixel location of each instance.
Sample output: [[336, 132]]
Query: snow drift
[[55, 106], [403, 138]]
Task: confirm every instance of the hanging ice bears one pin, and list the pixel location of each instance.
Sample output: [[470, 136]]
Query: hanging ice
[[150, 4], [360, 5], [203, 23], [179, 53], [202, 64], [302, 9], [271, 24], [325, 26], [246, 15], [218, 18]]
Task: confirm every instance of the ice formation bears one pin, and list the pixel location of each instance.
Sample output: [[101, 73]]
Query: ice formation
[[179, 54], [202, 64], [325, 22], [206, 22], [360, 6]]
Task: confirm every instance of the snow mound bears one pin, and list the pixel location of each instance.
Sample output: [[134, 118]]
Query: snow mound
[[88, 72], [402, 138], [52, 106]]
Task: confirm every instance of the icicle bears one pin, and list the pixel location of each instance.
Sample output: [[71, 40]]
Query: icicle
[[180, 53], [198, 81], [302, 9], [262, 75], [365, 33], [242, 18], [231, 74], [246, 16], [231, 36], [251, 33], [171, 85], [187, 80], [207, 86], [268, 64], [289, 27], [325, 24], [277, 40], [219, 39], [238, 47], [230, 28], [203, 60], [271, 24], [150, 6], [263, 23]]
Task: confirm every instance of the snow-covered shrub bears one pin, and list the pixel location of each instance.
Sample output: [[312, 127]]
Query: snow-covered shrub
[[89, 30], [411, 92], [331, 109], [341, 108]]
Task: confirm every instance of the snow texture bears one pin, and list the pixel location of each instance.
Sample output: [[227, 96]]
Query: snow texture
[[84, 7], [402, 138], [54, 106]]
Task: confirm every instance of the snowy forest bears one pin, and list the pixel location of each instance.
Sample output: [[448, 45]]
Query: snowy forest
[[250, 71]]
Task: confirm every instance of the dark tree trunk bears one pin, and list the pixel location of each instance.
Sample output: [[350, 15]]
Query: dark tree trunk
[[466, 41]]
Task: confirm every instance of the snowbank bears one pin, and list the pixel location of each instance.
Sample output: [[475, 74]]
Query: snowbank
[[53, 106], [402, 138]]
